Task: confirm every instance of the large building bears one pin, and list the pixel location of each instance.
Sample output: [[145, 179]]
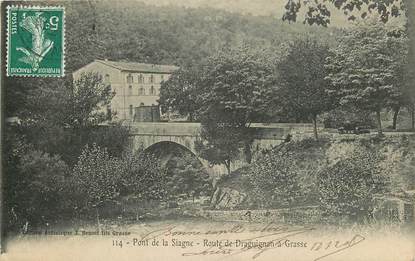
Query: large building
[[136, 86]]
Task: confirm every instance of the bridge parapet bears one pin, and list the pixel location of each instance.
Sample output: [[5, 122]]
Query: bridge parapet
[[165, 128], [272, 131]]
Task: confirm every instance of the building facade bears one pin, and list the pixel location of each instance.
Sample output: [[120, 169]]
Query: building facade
[[134, 85]]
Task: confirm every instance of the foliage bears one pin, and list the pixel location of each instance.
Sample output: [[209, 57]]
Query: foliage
[[221, 143], [365, 68], [83, 43], [89, 96], [68, 142], [289, 168], [62, 117], [113, 137], [181, 36], [97, 177], [179, 93], [187, 176], [144, 177], [348, 186], [318, 12], [404, 163], [65, 103], [235, 88], [302, 94], [338, 117], [36, 188], [274, 180], [236, 83]]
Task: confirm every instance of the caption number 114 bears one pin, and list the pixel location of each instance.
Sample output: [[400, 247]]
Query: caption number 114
[[117, 243]]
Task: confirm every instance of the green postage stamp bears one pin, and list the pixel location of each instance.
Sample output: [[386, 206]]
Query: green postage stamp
[[35, 41]]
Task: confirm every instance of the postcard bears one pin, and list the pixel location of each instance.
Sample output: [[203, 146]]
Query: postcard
[[208, 130]]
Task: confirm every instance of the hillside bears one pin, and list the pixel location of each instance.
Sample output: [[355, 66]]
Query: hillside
[[397, 161], [168, 34]]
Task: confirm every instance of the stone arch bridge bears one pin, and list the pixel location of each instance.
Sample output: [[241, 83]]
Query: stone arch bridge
[[147, 134]]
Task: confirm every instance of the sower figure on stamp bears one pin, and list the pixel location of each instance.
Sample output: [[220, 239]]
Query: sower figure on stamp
[[40, 45]]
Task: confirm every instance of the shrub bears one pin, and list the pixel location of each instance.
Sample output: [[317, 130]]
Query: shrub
[[36, 188], [347, 187], [97, 177], [144, 177], [274, 180], [186, 175]]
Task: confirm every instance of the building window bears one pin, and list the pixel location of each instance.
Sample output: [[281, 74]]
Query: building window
[[129, 78], [131, 110], [141, 91], [162, 77], [130, 90], [152, 91], [151, 78], [140, 78], [142, 104]]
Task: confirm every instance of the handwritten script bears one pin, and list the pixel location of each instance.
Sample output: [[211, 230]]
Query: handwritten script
[[269, 237]]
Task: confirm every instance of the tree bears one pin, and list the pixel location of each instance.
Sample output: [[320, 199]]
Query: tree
[[179, 93], [364, 68], [401, 97], [61, 117], [220, 143], [89, 99], [302, 94], [318, 12], [235, 91], [408, 91]]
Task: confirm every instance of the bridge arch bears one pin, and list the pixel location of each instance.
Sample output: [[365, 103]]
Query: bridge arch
[[146, 143], [165, 149]]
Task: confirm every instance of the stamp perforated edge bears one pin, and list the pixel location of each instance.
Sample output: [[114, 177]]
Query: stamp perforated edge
[[9, 7]]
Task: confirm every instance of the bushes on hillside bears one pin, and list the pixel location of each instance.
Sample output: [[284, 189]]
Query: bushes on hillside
[[100, 181], [348, 186], [275, 181], [284, 176], [342, 177], [186, 175]]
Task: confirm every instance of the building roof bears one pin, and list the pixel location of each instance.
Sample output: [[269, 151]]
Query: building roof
[[140, 67]]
